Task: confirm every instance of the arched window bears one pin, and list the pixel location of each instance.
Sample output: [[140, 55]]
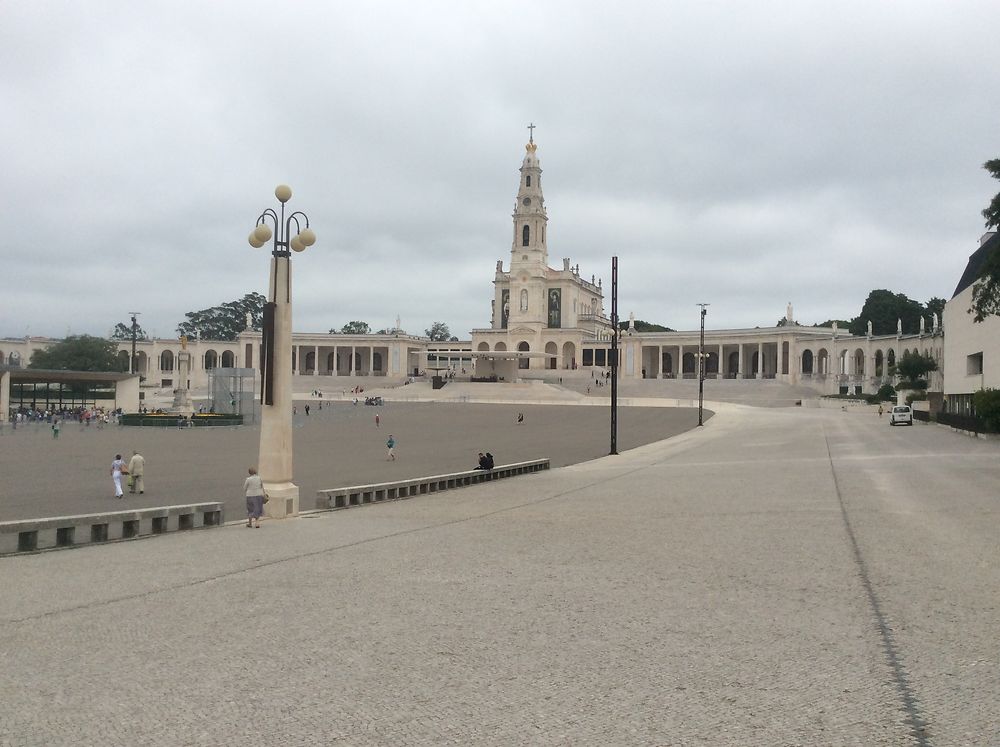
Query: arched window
[[524, 300], [228, 359], [527, 180], [807, 362], [525, 235]]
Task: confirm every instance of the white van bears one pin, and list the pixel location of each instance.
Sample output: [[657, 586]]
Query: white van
[[901, 415]]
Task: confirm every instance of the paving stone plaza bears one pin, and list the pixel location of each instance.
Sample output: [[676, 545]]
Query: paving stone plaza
[[778, 577]]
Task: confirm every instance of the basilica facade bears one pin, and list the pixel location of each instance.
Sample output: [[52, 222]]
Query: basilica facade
[[542, 318]]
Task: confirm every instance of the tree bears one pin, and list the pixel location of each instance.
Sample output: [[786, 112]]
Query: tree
[[642, 326], [986, 291], [226, 321], [78, 353], [124, 332], [884, 308], [935, 306], [841, 323], [992, 211], [438, 332], [356, 328], [912, 368]]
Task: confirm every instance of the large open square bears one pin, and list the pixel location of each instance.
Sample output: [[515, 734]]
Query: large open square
[[778, 577], [337, 446]]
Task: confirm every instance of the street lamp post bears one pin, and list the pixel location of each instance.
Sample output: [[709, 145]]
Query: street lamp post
[[274, 463], [133, 363], [701, 365]]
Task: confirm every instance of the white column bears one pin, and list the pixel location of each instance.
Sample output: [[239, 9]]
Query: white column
[[275, 461], [760, 360], [722, 366], [315, 359], [351, 367], [298, 360], [659, 362], [680, 361], [740, 372]]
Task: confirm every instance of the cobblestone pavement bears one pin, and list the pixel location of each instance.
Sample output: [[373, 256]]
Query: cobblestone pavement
[[779, 577]]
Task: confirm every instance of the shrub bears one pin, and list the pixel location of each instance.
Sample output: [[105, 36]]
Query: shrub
[[886, 393], [987, 404], [915, 397]]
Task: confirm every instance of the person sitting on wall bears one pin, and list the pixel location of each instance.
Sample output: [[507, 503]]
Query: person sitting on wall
[[482, 461], [489, 460]]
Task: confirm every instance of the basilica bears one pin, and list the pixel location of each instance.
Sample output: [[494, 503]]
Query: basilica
[[542, 317]]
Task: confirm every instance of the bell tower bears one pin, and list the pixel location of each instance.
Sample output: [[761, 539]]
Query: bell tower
[[528, 250]]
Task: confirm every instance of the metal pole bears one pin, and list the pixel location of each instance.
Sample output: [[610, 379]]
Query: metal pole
[[701, 366], [614, 355], [135, 328]]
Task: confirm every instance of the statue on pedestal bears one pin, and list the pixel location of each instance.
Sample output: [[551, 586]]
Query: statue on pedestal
[[182, 398]]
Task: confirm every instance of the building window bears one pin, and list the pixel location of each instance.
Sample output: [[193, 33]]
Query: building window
[[527, 180], [974, 364], [525, 234]]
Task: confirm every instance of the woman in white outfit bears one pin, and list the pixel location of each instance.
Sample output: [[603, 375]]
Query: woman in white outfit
[[117, 467]]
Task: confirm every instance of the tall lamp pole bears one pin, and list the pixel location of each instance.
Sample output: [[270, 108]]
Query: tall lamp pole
[[134, 365], [275, 461], [614, 355], [701, 365]]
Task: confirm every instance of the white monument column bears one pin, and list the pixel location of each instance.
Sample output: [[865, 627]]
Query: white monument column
[[760, 360], [4, 394], [274, 463], [721, 373], [739, 373]]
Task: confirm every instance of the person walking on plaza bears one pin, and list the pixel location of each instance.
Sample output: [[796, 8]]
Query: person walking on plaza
[[55, 428], [118, 469], [136, 466], [377, 421], [253, 489], [880, 411], [391, 445]]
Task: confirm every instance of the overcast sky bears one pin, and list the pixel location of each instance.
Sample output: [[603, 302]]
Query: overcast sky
[[741, 154]]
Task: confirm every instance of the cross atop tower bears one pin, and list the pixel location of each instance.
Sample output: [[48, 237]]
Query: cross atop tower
[[531, 132]]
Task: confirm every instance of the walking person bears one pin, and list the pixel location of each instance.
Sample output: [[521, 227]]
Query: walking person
[[377, 421], [118, 469], [253, 489], [55, 428], [391, 446], [136, 467]]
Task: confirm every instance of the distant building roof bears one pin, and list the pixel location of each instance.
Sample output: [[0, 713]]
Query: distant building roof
[[974, 268], [47, 375]]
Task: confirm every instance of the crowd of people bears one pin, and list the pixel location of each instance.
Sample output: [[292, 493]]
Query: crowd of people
[[55, 417]]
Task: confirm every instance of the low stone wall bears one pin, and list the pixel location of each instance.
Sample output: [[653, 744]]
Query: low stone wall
[[359, 495], [29, 535]]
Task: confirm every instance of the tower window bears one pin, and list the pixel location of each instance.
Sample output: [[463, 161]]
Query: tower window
[[525, 235], [527, 180]]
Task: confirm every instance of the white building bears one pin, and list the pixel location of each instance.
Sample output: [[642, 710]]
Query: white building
[[542, 318], [971, 349]]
